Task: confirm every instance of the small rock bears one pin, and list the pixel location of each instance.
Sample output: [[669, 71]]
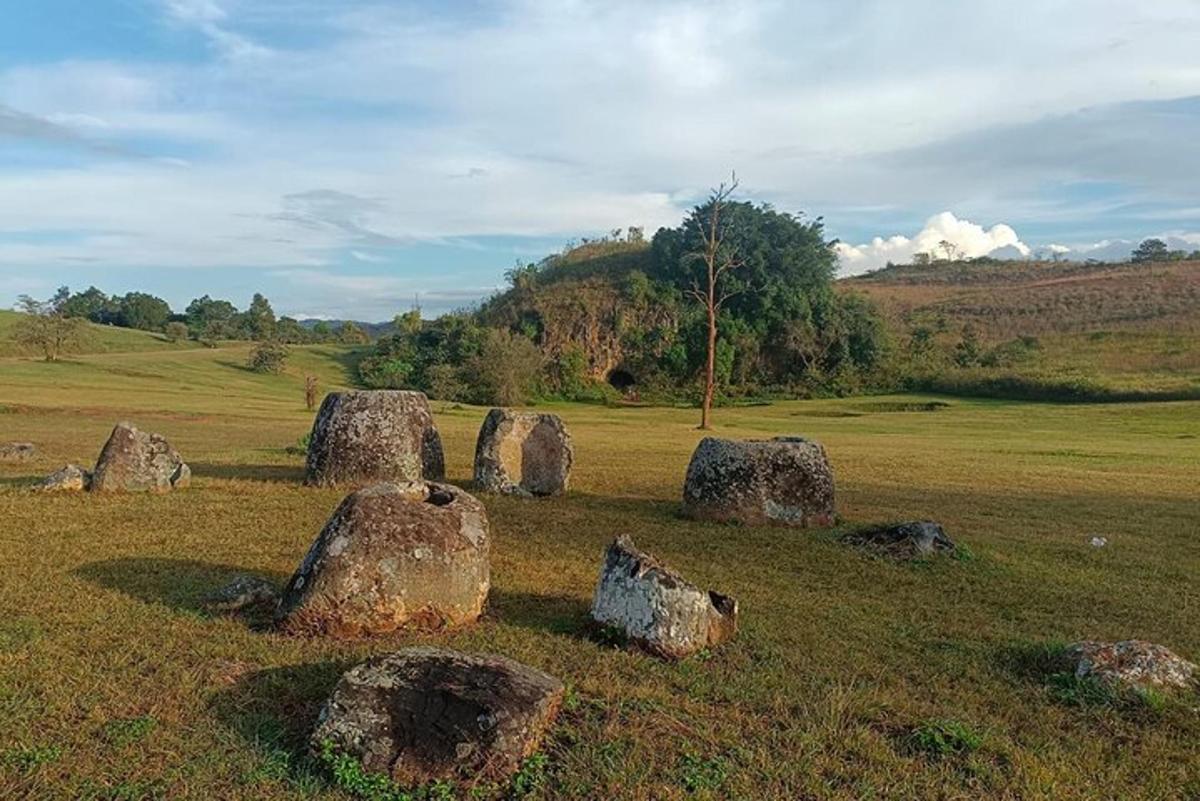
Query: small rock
[[17, 451], [242, 592], [785, 481], [426, 714], [393, 556], [138, 461], [905, 540], [523, 453], [656, 608], [374, 435], [1132, 663], [71, 478]]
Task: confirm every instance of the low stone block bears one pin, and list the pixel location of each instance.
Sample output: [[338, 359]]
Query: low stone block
[[783, 481], [426, 714]]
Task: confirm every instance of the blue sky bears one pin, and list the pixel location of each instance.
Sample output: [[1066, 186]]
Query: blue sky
[[347, 157]]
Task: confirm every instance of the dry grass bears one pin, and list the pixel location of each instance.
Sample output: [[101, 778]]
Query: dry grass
[[113, 683]]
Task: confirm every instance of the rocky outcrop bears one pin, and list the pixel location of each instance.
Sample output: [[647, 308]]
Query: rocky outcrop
[[784, 481], [523, 453], [17, 451], [71, 478], [377, 435], [393, 556], [1133, 663], [426, 714], [242, 592], [910, 540], [656, 608], [138, 461]]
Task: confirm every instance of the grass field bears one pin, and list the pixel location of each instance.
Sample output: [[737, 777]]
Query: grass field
[[115, 685]]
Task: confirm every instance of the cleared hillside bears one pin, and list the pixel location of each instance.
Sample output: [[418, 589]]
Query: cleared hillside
[[1124, 330], [1013, 299]]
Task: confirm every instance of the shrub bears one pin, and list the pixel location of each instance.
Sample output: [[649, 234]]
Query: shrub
[[944, 738], [176, 332], [506, 370], [268, 357]]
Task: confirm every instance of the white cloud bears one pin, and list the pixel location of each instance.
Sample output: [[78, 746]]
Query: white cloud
[[967, 238]]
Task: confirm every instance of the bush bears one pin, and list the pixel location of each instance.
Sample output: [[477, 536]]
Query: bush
[[507, 369], [176, 332], [268, 357]]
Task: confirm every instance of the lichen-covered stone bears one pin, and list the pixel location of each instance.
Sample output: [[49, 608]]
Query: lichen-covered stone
[[909, 540], [656, 608], [138, 461], [1133, 663], [71, 478], [17, 451], [784, 481], [374, 435], [242, 592], [523, 453], [393, 556], [426, 714]]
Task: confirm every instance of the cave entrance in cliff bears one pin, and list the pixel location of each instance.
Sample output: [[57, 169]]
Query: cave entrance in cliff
[[621, 380]]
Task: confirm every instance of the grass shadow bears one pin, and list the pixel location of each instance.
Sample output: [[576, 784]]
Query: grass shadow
[[181, 584], [555, 614], [274, 710], [647, 508], [1032, 663], [21, 481], [280, 473]]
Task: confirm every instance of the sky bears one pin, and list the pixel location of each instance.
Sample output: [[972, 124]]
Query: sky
[[349, 159]]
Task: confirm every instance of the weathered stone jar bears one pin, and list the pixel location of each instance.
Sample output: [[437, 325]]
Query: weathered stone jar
[[426, 714], [523, 453], [411, 555], [656, 608], [374, 435], [138, 461], [783, 481]]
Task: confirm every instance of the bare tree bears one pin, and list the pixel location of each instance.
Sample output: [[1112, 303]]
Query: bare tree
[[718, 258], [46, 325], [950, 249]]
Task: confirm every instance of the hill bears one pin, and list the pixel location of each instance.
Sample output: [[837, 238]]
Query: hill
[[1110, 330], [1017, 298], [96, 339]]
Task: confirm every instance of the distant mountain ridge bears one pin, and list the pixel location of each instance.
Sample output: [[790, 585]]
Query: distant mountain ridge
[[373, 330]]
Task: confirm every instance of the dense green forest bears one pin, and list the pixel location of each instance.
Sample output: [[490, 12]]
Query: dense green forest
[[617, 316]]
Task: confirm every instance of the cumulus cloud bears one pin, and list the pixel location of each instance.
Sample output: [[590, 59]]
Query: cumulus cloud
[[966, 238]]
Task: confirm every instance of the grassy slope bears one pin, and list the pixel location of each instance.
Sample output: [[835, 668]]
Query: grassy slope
[[96, 339], [108, 666], [1129, 326]]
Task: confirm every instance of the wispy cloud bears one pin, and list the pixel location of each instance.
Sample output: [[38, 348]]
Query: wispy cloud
[[299, 133], [19, 125]]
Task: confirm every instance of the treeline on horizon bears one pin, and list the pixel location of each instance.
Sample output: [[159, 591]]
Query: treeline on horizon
[[205, 319], [783, 329]]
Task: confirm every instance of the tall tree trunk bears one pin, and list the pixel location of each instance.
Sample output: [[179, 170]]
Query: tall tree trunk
[[710, 366]]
